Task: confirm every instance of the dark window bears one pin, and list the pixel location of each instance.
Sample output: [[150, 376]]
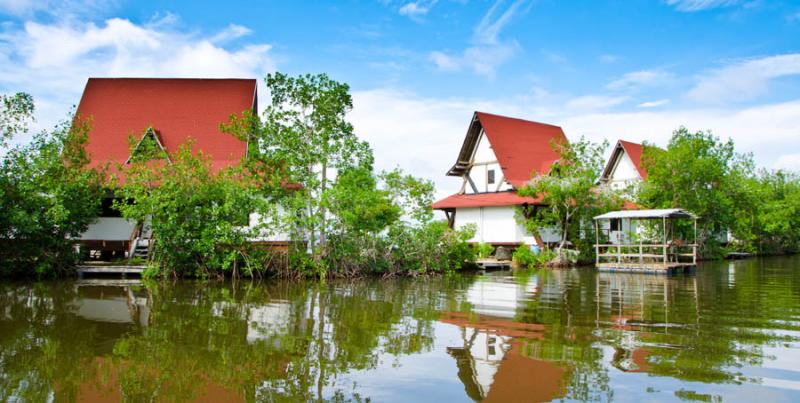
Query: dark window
[[107, 208], [615, 224], [490, 176]]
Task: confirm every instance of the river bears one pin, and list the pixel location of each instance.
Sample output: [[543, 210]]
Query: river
[[729, 332]]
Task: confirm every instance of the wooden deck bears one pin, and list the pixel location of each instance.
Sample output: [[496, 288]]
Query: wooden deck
[[490, 263], [651, 268], [121, 270]]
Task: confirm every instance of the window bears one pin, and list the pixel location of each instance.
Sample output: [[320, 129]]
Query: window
[[490, 176], [615, 224]]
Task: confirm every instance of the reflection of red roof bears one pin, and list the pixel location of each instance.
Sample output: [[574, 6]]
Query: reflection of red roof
[[634, 151], [178, 109], [508, 198]]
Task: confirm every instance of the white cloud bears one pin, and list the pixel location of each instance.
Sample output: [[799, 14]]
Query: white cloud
[[690, 6], [608, 58], [429, 146], [588, 103], [417, 9], [53, 60], [744, 80], [789, 162], [638, 79], [488, 50], [653, 104]]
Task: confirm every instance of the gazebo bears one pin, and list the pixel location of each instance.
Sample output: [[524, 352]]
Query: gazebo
[[668, 254]]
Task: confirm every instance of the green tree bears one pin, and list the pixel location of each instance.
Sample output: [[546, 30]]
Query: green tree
[[305, 127], [199, 218], [17, 113], [700, 173], [48, 195], [569, 193]]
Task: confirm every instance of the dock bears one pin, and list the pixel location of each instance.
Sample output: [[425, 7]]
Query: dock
[[490, 263], [648, 268], [120, 270]]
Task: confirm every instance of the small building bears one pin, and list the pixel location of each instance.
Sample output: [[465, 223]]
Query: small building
[[168, 112], [499, 155], [660, 246]]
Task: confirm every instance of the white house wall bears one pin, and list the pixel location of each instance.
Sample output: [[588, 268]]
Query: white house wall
[[494, 224]]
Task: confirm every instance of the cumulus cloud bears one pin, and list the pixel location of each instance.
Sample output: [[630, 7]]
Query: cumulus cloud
[[745, 80], [53, 60], [488, 50]]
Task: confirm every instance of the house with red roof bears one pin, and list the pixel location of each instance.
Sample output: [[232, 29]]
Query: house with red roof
[[624, 167], [167, 112], [498, 156]]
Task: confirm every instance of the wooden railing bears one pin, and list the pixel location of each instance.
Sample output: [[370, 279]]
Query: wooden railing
[[646, 253]]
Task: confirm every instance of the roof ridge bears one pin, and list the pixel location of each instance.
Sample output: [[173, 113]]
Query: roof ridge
[[519, 119]]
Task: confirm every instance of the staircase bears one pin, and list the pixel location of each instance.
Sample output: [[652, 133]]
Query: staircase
[[140, 248]]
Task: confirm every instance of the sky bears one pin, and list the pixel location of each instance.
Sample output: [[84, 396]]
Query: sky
[[626, 69]]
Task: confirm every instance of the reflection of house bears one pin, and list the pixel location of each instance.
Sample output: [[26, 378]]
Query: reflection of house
[[112, 304], [499, 155], [491, 363]]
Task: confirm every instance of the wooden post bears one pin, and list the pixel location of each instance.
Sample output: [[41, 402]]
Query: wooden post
[[694, 248], [596, 243], [664, 220]]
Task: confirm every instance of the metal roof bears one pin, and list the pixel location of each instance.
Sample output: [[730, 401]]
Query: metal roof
[[647, 214]]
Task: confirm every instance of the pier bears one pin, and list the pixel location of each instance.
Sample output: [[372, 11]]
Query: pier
[[635, 251]]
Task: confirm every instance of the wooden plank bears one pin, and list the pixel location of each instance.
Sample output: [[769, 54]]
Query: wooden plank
[[110, 269]]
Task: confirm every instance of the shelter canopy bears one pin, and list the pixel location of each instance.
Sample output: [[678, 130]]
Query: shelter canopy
[[647, 214]]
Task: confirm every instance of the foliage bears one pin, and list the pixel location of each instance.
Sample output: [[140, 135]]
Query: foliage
[[768, 213], [702, 174], [483, 249], [17, 113], [199, 218], [569, 194], [305, 128], [525, 257], [48, 195]]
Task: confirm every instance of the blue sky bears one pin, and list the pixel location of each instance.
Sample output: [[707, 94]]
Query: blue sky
[[606, 70]]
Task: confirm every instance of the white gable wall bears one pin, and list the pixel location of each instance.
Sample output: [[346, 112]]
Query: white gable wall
[[485, 160], [623, 173]]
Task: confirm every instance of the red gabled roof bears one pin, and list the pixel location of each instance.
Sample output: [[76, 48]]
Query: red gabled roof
[[634, 151], [178, 109], [491, 199], [522, 147]]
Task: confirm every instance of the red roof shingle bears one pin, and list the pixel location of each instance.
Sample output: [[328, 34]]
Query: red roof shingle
[[492, 199], [178, 109], [522, 147]]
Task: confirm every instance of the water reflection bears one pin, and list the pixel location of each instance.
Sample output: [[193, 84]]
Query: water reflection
[[731, 331]]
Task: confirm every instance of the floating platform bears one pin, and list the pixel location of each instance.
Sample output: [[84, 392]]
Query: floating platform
[[650, 268], [121, 270], [493, 264]]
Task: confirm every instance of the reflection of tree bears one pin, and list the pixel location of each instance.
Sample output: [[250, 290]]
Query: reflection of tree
[[200, 335], [45, 350]]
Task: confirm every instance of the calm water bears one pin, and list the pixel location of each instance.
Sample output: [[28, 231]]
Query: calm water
[[730, 332]]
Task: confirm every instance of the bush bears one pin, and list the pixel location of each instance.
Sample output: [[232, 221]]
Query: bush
[[484, 250], [525, 257]]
